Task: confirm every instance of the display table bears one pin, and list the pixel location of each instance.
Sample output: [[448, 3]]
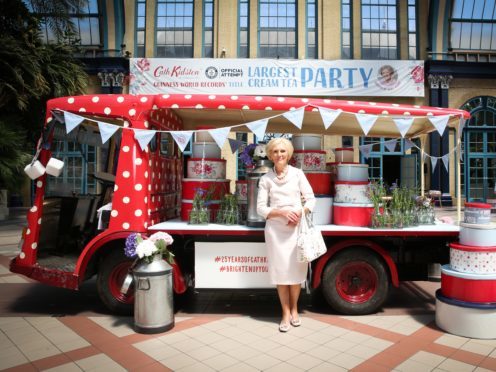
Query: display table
[[180, 227]]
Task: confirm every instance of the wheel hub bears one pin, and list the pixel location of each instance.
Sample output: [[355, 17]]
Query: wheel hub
[[356, 282]]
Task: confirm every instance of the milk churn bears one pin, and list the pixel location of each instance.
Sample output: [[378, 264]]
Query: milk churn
[[253, 177], [153, 299]]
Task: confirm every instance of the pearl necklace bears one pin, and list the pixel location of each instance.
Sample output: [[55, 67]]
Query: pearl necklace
[[283, 173]]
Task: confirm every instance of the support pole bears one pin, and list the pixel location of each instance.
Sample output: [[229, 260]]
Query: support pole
[[422, 176], [458, 178]]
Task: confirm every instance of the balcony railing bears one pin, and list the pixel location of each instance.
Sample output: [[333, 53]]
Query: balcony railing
[[464, 56]]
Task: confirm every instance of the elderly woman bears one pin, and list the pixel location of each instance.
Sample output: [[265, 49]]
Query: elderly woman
[[279, 201]]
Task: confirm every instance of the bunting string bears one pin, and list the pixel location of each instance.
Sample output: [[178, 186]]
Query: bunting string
[[258, 127]]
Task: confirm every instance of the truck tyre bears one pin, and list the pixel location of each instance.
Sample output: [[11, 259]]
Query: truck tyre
[[112, 271], [355, 282]]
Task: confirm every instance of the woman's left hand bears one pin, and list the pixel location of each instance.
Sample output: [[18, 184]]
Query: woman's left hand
[[298, 213]]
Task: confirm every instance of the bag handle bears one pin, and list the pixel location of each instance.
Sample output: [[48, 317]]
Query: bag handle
[[303, 221]]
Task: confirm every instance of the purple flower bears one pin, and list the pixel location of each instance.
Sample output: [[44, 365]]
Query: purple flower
[[130, 247]]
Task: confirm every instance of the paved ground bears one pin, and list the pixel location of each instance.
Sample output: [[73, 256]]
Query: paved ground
[[46, 328]]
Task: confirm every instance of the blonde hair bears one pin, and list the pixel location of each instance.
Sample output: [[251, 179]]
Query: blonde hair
[[282, 142]]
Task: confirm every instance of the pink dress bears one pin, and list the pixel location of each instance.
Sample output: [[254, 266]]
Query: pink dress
[[280, 237]]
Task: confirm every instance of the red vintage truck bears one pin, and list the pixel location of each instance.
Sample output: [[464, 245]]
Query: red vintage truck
[[63, 245]]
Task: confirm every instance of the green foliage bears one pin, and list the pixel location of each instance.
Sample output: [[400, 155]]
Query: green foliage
[[13, 158], [31, 73]]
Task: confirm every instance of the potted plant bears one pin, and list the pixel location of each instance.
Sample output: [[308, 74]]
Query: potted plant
[[200, 213], [229, 210]]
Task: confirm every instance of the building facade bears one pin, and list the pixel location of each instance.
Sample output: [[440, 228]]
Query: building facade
[[455, 38]]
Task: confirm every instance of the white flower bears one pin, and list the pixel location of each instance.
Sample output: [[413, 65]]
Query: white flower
[[260, 151], [146, 248], [162, 236]]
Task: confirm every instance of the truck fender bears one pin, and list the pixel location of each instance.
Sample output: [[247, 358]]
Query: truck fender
[[106, 237], [322, 261]]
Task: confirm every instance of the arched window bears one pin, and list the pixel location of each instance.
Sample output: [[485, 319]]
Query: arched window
[[479, 149], [473, 25]]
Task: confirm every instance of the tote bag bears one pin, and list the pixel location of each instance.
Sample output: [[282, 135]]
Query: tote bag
[[310, 243]]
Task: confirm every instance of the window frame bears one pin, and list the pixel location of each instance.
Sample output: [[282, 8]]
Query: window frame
[[277, 29], [396, 32]]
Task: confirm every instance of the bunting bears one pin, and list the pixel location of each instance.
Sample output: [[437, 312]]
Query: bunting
[[235, 144], [295, 116], [445, 159], [439, 122], [365, 150], [433, 163], [408, 144], [390, 145], [106, 130], [219, 135], [182, 138], [258, 127], [403, 125], [143, 137], [72, 121], [328, 116], [366, 122]]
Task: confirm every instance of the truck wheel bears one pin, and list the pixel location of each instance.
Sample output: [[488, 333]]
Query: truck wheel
[[111, 275], [355, 282]]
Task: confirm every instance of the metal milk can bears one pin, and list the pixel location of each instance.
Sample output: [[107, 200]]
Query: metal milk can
[[253, 177], [153, 299]]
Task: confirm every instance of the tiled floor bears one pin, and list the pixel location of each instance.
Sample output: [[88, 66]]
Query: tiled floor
[[228, 332]]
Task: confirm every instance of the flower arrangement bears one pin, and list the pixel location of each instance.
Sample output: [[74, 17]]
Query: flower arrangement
[[147, 248], [252, 153]]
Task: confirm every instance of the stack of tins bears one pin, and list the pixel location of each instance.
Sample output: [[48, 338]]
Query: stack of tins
[[342, 155], [466, 302], [310, 157], [352, 205], [205, 170]]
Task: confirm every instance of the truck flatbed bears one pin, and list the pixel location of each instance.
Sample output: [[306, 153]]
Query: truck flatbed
[[179, 227]]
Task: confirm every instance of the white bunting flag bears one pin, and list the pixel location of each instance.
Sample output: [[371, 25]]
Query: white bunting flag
[[106, 130], [424, 156], [365, 150], [219, 135], [182, 138], [258, 127], [295, 116], [328, 116], [433, 162], [71, 121], [439, 122], [403, 124], [461, 126], [409, 144], [445, 159], [391, 144], [366, 122], [143, 137], [235, 144]]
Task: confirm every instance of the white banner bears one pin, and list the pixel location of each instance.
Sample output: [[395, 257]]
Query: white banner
[[391, 78], [231, 265]]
